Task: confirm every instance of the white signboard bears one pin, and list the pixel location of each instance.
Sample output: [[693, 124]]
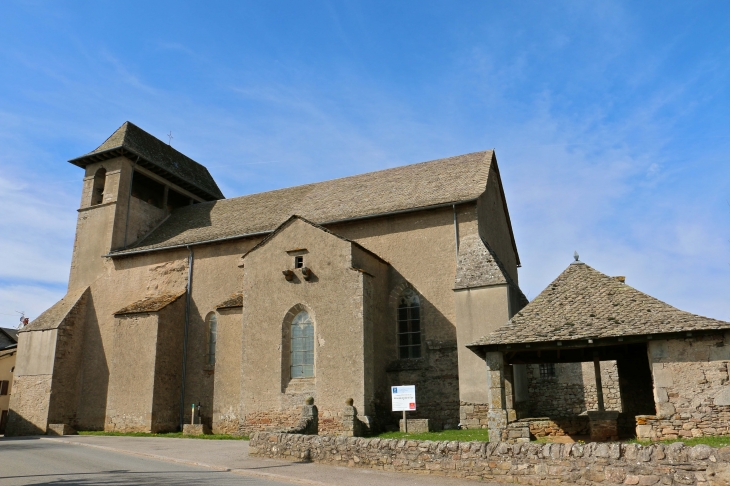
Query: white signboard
[[404, 398]]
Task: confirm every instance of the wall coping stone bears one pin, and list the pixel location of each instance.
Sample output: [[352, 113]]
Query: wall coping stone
[[532, 463]]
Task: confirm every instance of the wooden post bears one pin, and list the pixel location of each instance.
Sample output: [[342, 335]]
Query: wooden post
[[599, 385], [405, 422]]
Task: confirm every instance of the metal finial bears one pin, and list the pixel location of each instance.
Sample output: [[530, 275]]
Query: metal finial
[[576, 256], [169, 138]]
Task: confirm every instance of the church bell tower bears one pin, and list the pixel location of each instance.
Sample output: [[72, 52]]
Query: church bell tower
[[131, 183]]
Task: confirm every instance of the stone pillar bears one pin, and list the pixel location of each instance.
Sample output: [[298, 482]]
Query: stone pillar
[[351, 425], [521, 391], [310, 417], [509, 393], [497, 415], [309, 421], [599, 384]]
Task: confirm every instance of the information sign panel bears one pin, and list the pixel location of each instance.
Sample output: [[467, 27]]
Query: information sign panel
[[403, 398]]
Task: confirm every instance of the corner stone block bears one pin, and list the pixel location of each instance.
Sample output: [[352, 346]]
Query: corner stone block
[[60, 429], [663, 378], [665, 410], [195, 429]]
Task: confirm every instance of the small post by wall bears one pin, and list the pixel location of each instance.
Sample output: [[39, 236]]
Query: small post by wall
[[599, 384], [604, 425], [497, 414]]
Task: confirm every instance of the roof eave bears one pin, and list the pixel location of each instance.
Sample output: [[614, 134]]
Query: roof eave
[[590, 342], [121, 150]]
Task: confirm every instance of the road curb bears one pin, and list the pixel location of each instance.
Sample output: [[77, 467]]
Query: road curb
[[240, 472]]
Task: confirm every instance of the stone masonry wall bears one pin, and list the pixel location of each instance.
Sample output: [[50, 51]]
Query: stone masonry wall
[[525, 463], [691, 388], [473, 415], [572, 390], [437, 385]]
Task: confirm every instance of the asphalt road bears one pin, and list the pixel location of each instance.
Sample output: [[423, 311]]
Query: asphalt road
[[34, 461]]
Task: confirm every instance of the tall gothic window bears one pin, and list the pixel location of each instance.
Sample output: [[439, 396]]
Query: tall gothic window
[[212, 322], [97, 191], [302, 346], [409, 325]]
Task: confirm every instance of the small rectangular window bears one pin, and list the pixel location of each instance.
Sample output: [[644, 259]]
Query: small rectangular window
[[547, 370], [4, 387], [298, 261]]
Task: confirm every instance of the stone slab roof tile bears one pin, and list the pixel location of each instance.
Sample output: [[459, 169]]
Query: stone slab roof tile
[[234, 300], [150, 304], [454, 179], [477, 265], [583, 303], [156, 155], [8, 338], [54, 316]]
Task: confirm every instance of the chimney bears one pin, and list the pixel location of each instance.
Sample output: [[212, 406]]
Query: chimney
[[620, 279]]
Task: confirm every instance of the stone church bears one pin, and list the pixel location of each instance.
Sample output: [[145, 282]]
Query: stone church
[[247, 306]]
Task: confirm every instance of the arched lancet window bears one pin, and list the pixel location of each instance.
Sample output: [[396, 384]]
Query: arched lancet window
[[97, 192], [409, 325], [212, 325], [302, 346]]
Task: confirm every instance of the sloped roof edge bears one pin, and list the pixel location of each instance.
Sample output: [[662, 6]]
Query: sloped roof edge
[[583, 303], [54, 316], [295, 217], [149, 304]]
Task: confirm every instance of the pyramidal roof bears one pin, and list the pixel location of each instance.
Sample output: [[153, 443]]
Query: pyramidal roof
[[155, 155], [583, 303], [407, 188]]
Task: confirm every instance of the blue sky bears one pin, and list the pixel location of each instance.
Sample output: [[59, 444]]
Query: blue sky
[[611, 120]]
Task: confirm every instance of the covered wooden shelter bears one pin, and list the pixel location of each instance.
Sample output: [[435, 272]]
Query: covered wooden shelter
[[583, 316]]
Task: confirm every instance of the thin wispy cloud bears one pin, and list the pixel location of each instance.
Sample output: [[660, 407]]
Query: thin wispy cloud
[[609, 120]]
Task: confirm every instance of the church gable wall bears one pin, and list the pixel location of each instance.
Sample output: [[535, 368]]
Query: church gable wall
[[333, 297]]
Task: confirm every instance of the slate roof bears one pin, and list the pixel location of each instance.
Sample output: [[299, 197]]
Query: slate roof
[[234, 300], [54, 316], [157, 156], [444, 181], [8, 338], [477, 265], [150, 304], [583, 303]]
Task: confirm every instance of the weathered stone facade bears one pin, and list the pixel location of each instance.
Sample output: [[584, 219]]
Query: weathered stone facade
[[572, 390], [524, 463], [160, 255], [691, 388]]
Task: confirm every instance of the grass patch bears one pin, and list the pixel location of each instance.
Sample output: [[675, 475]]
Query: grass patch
[[172, 435], [712, 441], [464, 435]]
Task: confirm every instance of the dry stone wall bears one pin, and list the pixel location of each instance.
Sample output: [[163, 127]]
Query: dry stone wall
[[524, 463], [691, 389], [572, 390]]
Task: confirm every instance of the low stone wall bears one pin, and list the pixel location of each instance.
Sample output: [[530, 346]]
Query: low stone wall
[[677, 426], [473, 415], [559, 426], [524, 463]]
